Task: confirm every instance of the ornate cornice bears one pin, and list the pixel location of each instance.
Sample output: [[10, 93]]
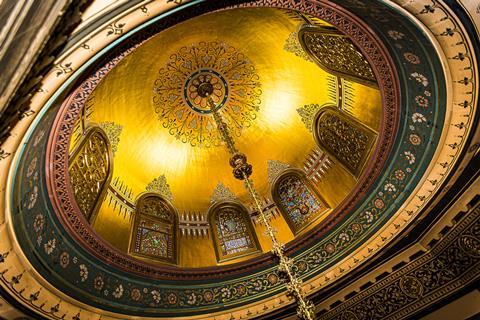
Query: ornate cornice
[[446, 268]]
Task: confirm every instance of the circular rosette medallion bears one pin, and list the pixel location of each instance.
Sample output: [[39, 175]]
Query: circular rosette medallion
[[202, 84], [199, 72]]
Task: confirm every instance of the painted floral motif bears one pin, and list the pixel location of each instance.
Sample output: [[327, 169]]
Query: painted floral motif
[[32, 199], [208, 296], [257, 285], [191, 298], [368, 216], [395, 35], [330, 248], [302, 266], [344, 237], [399, 174], [379, 203], [172, 298], [409, 156], [98, 283], [83, 272], [420, 78], [389, 187], [155, 296], [31, 167], [272, 278], [226, 293], [356, 227], [64, 259], [135, 294], [49, 246], [38, 222], [421, 101], [118, 292], [418, 117], [415, 139], [412, 58]]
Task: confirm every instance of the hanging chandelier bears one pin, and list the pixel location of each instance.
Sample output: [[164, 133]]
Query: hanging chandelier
[[242, 170]]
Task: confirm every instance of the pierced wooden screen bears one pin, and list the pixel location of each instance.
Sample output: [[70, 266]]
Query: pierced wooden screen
[[297, 200], [344, 138], [90, 169], [154, 229], [232, 231], [336, 53]]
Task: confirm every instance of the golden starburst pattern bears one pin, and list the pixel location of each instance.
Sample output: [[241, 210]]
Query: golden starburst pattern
[[228, 76]]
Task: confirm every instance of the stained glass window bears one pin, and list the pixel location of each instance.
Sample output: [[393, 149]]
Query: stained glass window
[[297, 201], [154, 229], [233, 231]]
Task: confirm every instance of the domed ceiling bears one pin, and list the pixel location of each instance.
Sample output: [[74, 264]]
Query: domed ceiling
[[163, 133], [353, 126]]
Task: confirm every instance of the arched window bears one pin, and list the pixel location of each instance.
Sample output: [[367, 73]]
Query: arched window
[[344, 138], [154, 230], [336, 53], [90, 169], [297, 200], [232, 231]]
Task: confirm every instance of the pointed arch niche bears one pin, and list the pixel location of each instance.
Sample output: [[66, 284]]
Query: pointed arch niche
[[297, 200], [335, 53], [154, 229], [90, 168], [344, 138], [232, 231]]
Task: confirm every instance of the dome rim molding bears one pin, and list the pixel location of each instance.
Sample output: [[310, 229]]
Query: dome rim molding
[[23, 125]]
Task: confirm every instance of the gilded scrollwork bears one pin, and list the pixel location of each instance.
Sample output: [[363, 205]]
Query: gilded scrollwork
[[218, 68], [160, 185], [90, 169], [113, 131], [222, 193], [344, 138], [336, 53]]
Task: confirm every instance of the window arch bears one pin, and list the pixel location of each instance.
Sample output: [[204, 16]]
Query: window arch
[[232, 231], [344, 138], [335, 53], [297, 200], [154, 229], [90, 168]]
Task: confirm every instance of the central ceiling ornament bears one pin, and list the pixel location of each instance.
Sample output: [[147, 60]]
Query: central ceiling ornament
[[201, 83], [212, 69]]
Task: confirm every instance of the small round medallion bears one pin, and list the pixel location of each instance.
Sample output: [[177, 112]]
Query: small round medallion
[[202, 84]]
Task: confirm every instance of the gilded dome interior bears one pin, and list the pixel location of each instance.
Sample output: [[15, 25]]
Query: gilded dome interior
[[203, 159], [164, 138]]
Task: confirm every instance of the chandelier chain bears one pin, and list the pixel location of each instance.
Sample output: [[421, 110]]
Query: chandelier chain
[[242, 171]]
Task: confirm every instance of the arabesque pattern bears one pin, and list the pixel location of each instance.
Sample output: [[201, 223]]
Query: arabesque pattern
[[236, 91], [90, 171]]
